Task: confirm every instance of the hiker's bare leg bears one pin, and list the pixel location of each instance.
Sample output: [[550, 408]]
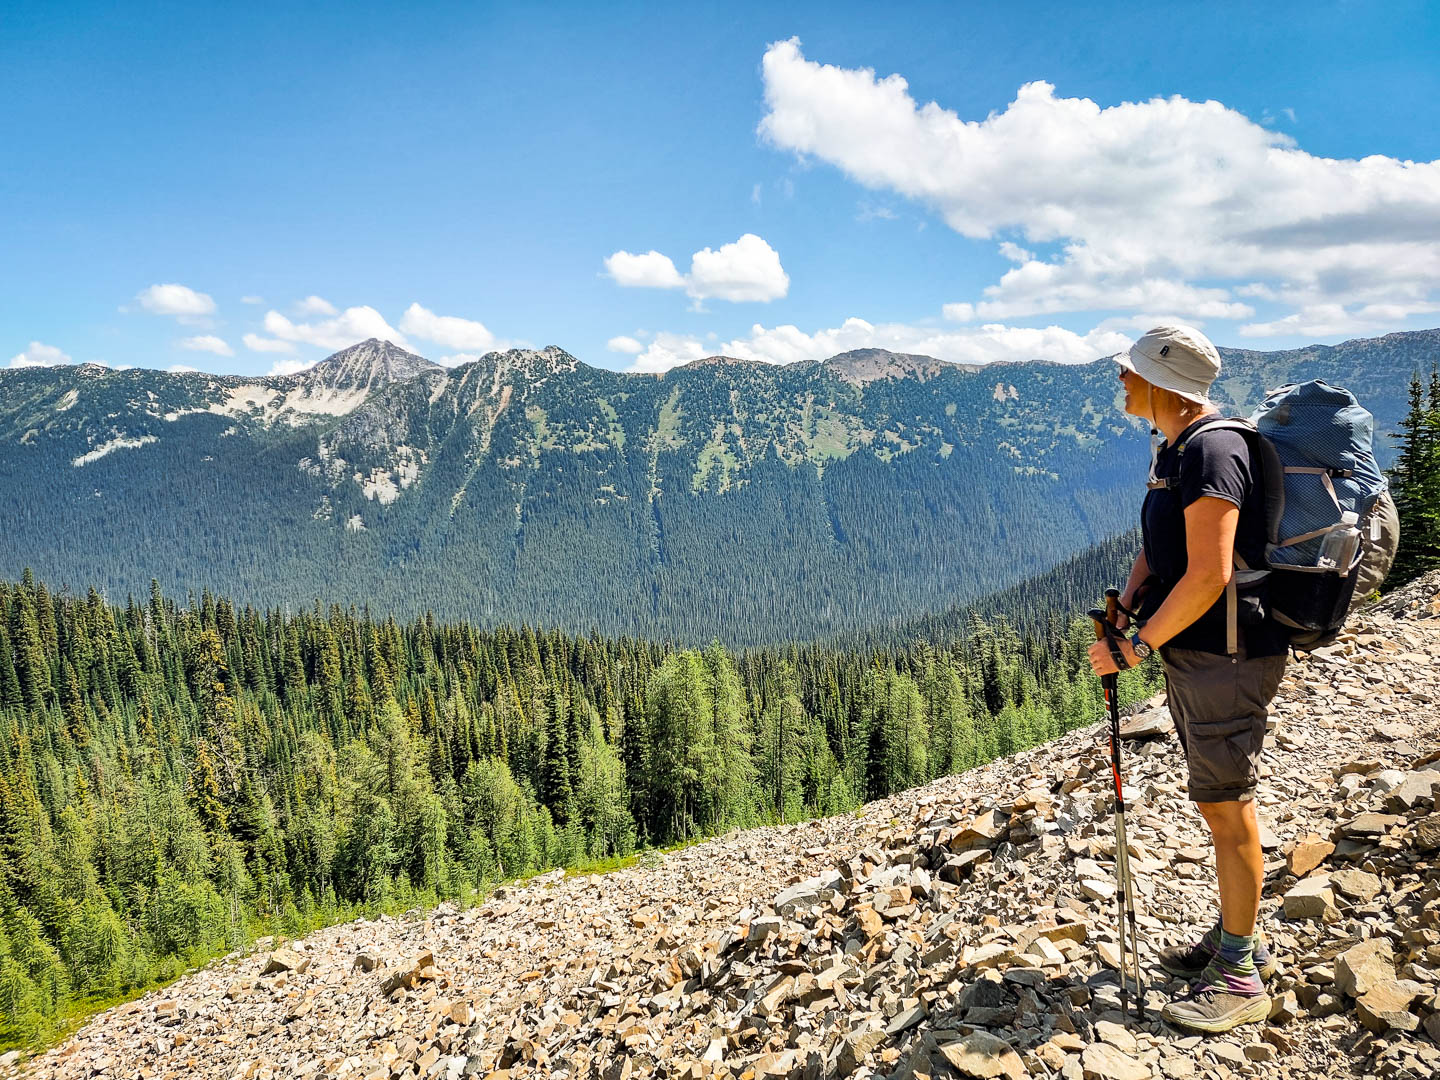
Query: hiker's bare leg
[[1238, 862]]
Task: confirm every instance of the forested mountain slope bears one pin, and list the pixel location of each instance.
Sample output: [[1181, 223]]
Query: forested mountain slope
[[965, 928], [724, 499], [175, 780]]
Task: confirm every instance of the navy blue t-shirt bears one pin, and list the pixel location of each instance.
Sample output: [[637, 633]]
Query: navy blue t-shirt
[[1215, 463]]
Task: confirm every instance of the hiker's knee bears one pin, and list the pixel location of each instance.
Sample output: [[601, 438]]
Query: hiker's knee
[[1231, 823]]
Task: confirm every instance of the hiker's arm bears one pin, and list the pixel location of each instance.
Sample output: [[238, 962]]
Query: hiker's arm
[[1210, 558], [1138, 573]]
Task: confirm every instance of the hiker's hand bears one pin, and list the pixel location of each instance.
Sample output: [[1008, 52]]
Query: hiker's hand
[[1122, 621], [1104, 663]]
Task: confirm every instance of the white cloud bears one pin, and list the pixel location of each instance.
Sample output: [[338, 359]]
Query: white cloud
[[1040, 288], [971, 345], [1329, 320], [315, 305], [457, 359], [448, 330], [178, 300], [666, 351], [252, 299], [1167, 203], [648, 271], [38, 354], [352, 325], [207, 343], [181, 369], [747, 269], [256, 343], [290, 367], [624, 344]]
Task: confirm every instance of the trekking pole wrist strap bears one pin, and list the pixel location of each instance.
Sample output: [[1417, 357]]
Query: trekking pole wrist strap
[[1134, 618], [1111, 637], [1113, 640]]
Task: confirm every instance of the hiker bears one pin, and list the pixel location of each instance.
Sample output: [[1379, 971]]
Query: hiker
[[1218, 689]]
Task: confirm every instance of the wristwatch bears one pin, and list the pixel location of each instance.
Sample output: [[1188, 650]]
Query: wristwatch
[[1142, 651]]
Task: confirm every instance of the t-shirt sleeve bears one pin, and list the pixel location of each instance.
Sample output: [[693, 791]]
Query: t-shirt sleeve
[[1215, 464]]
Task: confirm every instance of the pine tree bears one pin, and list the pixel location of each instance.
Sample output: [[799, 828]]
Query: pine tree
[[176, 777], [204, 791], [555, 787], [1415, 483], [780, 751]]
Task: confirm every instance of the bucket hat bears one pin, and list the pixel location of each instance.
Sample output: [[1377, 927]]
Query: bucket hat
[[1176, 358]]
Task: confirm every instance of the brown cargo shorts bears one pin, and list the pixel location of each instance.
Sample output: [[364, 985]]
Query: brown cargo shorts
[[1219, 705]]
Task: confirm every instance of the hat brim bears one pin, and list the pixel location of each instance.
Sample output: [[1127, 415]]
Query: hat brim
[[1155, 375]]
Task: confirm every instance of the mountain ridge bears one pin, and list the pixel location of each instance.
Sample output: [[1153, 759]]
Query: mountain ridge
[[753, 501]]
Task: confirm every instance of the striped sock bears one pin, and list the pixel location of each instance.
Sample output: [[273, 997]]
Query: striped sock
[[1260, 951], [1232, 969]]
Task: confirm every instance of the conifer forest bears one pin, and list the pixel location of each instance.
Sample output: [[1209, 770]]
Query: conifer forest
[[179, 778]]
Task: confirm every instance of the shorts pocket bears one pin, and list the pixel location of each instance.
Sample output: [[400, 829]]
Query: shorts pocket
[[1223, 755]]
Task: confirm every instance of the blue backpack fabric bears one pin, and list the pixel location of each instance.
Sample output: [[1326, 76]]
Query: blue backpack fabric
[[1324, 439], [1313, 448]]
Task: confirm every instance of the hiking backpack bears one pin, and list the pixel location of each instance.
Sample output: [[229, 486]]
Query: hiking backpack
[[1331, 528]]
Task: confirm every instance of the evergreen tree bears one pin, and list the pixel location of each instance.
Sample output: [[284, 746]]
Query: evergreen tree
[[174, 779], [1415, 483]]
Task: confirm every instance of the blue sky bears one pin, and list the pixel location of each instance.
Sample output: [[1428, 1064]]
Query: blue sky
[[244, 187]]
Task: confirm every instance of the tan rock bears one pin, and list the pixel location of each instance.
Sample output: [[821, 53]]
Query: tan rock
[[1356, 884], [1109, 954], [857, 1046], [1099, 890], [285, 960], [1116, 1035], [1363, 966], [1101, 1061], [1386, 1006], [1311, 898], [1425, 834], [1309, 852], [366, 962], [983, 1056]]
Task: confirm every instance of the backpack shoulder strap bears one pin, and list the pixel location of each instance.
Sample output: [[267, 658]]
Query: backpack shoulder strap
[[1228, 423], [1272, 478]]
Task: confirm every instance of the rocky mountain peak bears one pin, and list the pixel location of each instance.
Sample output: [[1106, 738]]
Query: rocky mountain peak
[[721, 361], [861, 366], [532, 365], [367, 366]]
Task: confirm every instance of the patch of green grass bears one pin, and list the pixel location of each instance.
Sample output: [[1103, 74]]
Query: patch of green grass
[[606, 865], [667, 427], [716, 454], [831, 439]]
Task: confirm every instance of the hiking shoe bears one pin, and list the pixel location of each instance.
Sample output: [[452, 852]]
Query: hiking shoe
[[1190, 961], [1211, 1010]]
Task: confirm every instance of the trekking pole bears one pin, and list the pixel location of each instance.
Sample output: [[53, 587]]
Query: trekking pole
[[1124, 890]]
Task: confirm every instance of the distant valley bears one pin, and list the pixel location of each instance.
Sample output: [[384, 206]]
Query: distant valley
[[724, 499]]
